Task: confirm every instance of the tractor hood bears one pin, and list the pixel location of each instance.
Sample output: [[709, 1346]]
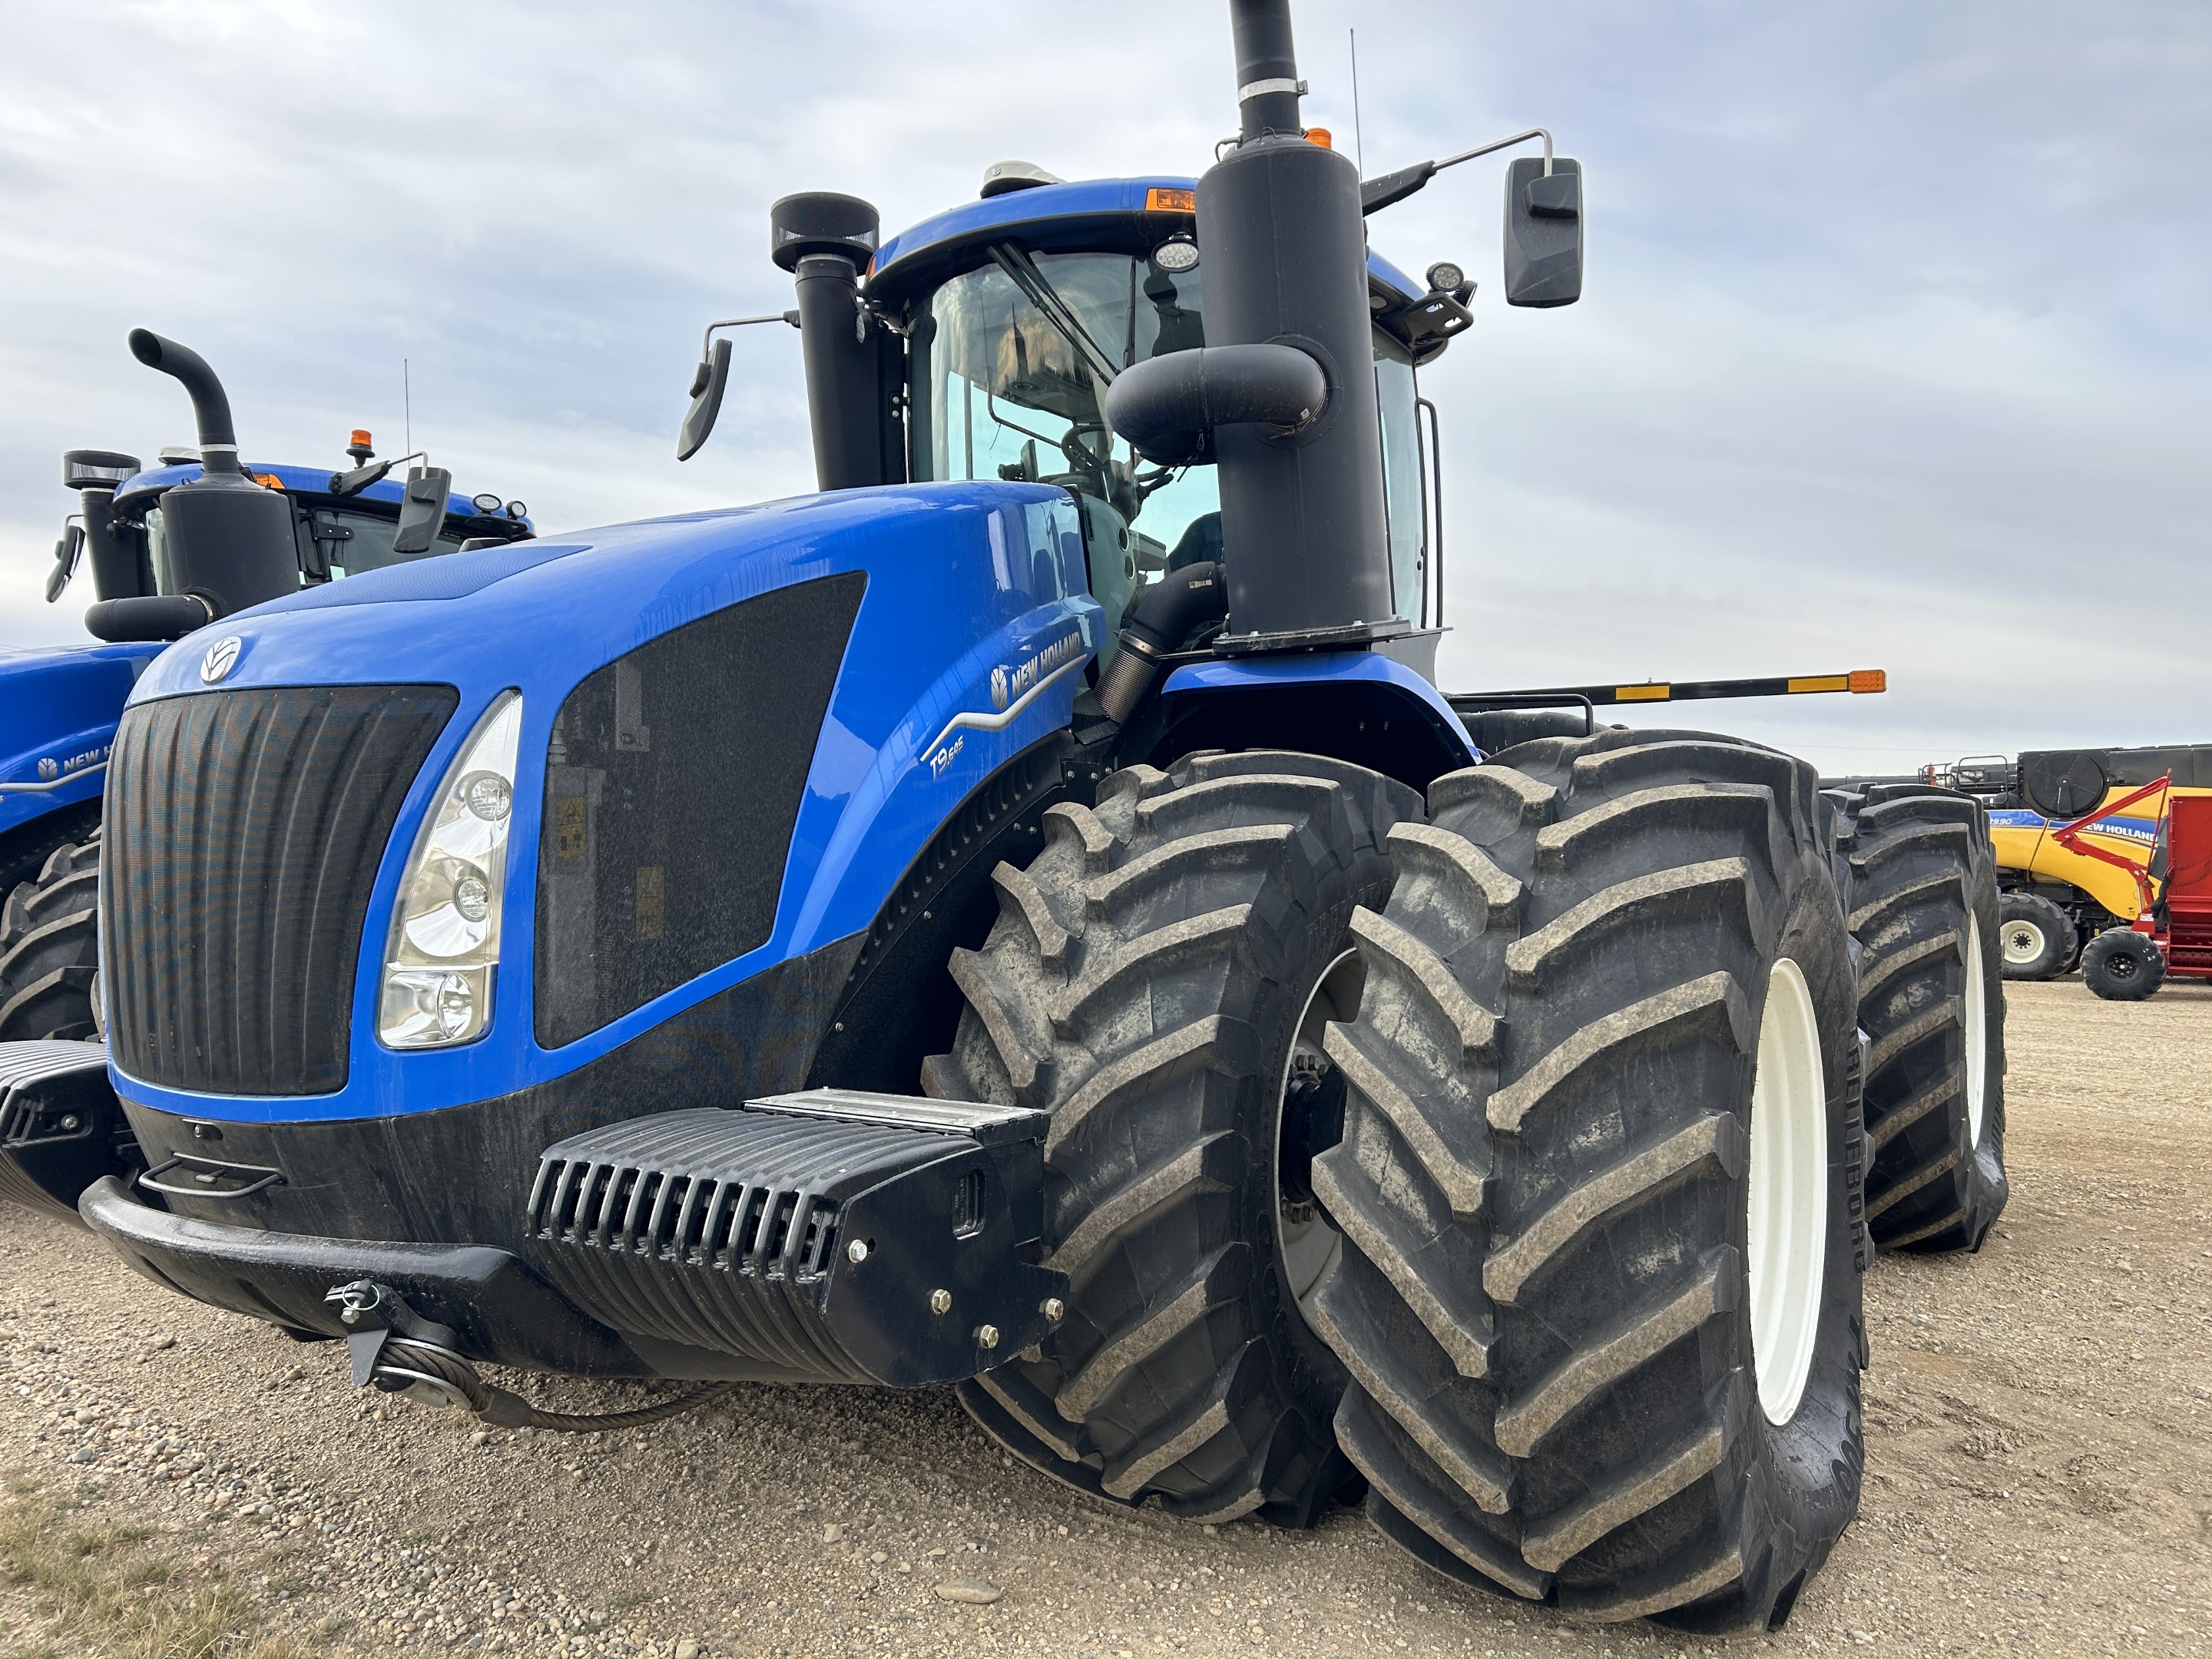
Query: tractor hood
[[971, 625]]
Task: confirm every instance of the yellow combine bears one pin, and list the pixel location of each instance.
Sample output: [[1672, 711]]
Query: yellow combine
[[2054, 899]]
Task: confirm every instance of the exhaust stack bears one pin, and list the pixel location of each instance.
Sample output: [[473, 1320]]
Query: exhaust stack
[[1304, 541], [230, 541]]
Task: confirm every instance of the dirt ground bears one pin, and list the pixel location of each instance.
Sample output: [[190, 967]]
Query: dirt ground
[[185, 1482]]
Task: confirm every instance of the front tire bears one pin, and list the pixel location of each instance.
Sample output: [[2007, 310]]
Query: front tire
[[2121, 965], [1148, 983], [1601, 1296], [2037, 940], [1919, 881], [50, 947]]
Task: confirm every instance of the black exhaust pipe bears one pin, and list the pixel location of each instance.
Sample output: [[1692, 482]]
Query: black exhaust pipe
[[230, 541], [1303, 538], [211, 403]]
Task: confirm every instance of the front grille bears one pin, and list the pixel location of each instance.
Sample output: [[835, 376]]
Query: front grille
[[245, 828]]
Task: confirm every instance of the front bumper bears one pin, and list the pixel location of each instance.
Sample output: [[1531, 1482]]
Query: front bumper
[[828, 1237], [504, 1313]]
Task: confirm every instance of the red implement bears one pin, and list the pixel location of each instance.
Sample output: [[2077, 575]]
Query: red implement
[[2176, 890]]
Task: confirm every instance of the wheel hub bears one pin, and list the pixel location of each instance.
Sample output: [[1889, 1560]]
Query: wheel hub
[[2022, 941], [1788, 1233]]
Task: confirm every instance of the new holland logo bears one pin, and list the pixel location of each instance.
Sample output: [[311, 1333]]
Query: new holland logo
[[221, 657], [1012, 690], [1009, 684], [50, 768]]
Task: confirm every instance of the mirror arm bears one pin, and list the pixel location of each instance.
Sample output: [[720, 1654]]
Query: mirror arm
[[707, 340], [353, 482], [1394, 187]]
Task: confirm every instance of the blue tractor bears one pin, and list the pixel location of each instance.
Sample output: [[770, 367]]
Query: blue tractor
[[160, 566], [1023, 917]]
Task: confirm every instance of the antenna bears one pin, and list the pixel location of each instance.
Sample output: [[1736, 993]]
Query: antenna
[[1358, 142], [407, 400]]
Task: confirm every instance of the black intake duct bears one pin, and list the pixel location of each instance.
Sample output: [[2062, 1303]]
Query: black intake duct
[[1165, 406], [1171, 610]]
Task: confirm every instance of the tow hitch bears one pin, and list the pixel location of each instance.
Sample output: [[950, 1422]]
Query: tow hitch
[[397, 1351]]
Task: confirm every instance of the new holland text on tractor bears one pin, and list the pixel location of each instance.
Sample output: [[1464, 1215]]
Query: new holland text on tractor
[[1025, 918]]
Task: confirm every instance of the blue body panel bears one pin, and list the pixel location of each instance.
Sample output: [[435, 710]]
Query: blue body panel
[[1369, 669], [304, 480], [1084, 199], [969, 584], [58, 707]]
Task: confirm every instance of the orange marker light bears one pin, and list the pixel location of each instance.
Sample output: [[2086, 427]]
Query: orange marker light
[[1320, 136], [267, 480], [1870, 679], [360, 437], [1170, 201]]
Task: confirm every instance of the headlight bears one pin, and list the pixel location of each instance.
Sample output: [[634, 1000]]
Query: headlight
[[444, 947]]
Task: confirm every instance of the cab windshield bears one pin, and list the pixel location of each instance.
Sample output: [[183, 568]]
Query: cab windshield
[[1010, 365], [1003, 389]]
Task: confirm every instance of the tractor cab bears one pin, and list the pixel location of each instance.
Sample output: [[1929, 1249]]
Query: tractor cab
[[1018, 311], [986, 338]]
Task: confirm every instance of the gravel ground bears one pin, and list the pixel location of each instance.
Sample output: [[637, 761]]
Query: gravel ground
[[2039, 1476]]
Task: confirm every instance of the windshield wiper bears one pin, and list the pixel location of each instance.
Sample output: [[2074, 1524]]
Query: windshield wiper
[[1055, 310]]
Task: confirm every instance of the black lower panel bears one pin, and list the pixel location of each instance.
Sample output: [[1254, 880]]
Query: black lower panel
[[462, 1175]]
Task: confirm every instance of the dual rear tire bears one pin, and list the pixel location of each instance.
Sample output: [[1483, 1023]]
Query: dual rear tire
[[1918, 877], [1512, 1150], [1599, 1185]]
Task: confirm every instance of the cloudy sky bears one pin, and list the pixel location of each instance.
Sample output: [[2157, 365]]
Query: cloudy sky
[[1894, 349]]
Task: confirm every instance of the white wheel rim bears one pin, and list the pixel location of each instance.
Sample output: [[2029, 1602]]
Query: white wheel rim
[[1977, 1039], [1787, 1236], [2022, 941], [1306, 1246]]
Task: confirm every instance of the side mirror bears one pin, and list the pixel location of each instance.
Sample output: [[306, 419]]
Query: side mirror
[[1543, 232], [708, 384], [422, 508], [66, 553]]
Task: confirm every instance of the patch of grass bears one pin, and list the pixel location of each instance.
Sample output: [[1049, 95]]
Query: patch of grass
[[108, 1588]]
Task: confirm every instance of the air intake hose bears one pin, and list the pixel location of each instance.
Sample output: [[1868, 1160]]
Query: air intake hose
[[148, 617], [1164, 406], [1169, 612]]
